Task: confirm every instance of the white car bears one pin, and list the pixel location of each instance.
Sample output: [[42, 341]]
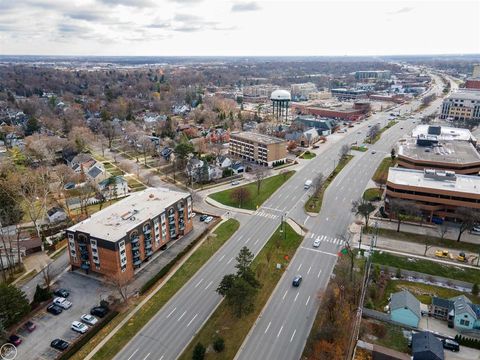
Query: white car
[[89, 319], [208, 219], [192, 215], [79, 327], [316, 243], [62, 302]]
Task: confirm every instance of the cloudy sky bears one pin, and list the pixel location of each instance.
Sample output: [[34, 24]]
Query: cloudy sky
[[237, 27]]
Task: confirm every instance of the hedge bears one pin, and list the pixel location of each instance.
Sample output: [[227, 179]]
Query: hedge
[[86, 338], [468, 342], [163, 271]]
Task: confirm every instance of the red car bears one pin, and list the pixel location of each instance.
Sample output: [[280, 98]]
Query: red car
[[15, 340]]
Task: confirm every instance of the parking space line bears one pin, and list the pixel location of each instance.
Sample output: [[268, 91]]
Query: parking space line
[[319, 273], [300, 267], [307, 300], [133, 354], [280, 331], [162, 357], [171, 312], [296, 296], [310, 268], [145, 358], [283, 298]]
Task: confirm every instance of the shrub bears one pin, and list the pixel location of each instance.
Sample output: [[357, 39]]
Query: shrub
[[398, 274], [475, 289], [198, 352], [41, 294], [219, 345]]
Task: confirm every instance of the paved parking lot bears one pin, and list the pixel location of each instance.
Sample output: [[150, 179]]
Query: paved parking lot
[[85, 293]]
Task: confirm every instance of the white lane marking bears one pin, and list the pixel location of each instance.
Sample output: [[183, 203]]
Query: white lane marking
[[221, 258], [308, 217], [256, 241], [319, 273], [229, 261], [307, 300], [319, 251], [171, 312], [201, 280], [310, 268], [296, 296], [181, 316], [323, 237], [326, 219], [145, 358], [300, 267], [280, 331], [192, 320], [283, 298], [336, 198], [133, 354], [294, 331], [268, 327], [246, 242], [162, 357], [313, 235], [210, 283]]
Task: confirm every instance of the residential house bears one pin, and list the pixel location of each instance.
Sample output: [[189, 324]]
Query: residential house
[[237, 167], [223, 162], [84, 163], [426, 346], [324, 126], [114, 187], [459, 311], [214, 173], [303, 138], [56, 214], [194, 168], [97, 172], [439, 308], [405, 308]]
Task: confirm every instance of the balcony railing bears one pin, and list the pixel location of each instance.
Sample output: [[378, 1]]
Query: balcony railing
[[137, 263], [148, 246], [136, 246], [135, 240], [149, 253]]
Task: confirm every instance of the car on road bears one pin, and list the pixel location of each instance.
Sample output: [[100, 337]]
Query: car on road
[[208, 219], [450, 345], [316, 243], [54, 309], [79, 327], [62, 302], [374, 152], [203, 217], [297, 280], [235, 183], [59, 344], [29, 326], [99, 311], [401, 128], [359, 132], [14, 339], [64, 293], [89, 319]]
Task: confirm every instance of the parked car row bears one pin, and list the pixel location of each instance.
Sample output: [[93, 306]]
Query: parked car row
[[206, 218]]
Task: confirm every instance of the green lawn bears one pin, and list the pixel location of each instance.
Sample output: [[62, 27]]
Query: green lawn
[[314, 203], [381, 174], [373, 194], [422, 239], [427, 267], [169, 289], [226, 325], [359, 148], [307, 155], [267, 188]]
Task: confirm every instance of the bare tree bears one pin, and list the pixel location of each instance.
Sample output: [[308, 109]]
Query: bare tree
[[400, 209], [240, 195], [344, 150], [468, 218], [146, 147], [120, 284], [373, 132], [47, 276], [260, 174], [442, 229], [364, 208], [318, 182]]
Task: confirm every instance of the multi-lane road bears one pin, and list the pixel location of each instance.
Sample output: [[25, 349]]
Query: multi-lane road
[[281, 331]]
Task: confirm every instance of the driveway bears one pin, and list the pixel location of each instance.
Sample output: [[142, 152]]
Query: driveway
[[85, 293]]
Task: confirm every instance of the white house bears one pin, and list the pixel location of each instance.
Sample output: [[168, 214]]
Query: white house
[[56, 214], [223, 162], [114, 187]]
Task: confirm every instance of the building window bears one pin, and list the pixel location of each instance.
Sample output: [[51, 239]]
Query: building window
[[464, 322]]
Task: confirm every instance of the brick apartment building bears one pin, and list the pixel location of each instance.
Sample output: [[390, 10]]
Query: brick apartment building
[[436, 193], [338, 113], [261, 149], [117, 240]]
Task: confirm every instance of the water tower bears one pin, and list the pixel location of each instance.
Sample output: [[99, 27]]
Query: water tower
[[280, 103]]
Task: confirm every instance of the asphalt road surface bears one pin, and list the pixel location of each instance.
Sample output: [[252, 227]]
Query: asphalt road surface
[[166, 335], [282, 328]]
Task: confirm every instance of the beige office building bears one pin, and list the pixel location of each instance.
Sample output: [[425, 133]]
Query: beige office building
[[261, 149]]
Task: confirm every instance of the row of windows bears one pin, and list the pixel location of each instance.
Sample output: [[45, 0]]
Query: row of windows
[[438, 196], [441, 166]]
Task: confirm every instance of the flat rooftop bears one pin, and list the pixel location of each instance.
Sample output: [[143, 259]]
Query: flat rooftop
[[115, 221], [451, 152], [468, 184], [447, 133], [465, 94], [259, 138]]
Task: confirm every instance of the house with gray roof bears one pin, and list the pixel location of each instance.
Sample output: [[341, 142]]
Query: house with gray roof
[[425, 346], [405, 308]]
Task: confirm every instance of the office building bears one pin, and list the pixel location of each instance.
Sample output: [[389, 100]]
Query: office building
[[302, 91], [373, 75], [437, 194], [117, 240], [261, 149], [348, 94], [463, 105]]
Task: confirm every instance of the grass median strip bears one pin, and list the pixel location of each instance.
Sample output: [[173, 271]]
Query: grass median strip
[[223, 323], [223, 232], [314, 203], [267, 187], [381, 174]]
